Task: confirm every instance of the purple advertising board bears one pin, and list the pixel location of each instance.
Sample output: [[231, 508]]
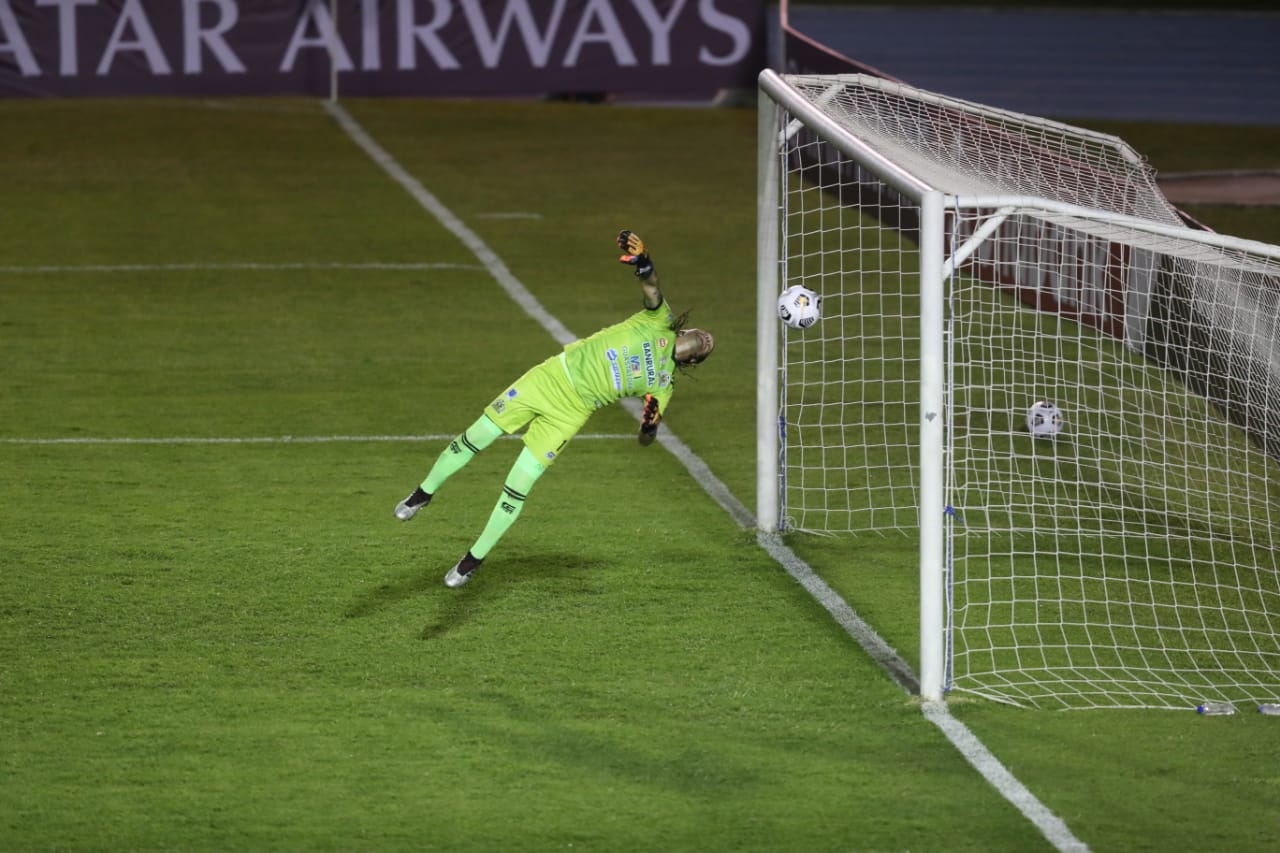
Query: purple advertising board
[[673, 48]]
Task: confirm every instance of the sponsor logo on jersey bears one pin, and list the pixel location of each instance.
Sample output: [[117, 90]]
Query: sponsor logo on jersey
[[499, 405], [612, 355], [512, 393], [551, 455], [662, 343], [633, 364], [648, 364], [664, 379]]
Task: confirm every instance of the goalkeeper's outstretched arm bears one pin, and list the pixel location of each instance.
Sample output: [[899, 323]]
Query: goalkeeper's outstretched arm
[[652, 291], [635, 254]]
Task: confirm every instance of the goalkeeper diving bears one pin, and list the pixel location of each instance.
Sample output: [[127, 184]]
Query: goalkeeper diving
[[551, 402]]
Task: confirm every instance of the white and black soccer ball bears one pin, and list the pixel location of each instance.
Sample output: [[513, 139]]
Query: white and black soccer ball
[[799, 307], [1044, 419]]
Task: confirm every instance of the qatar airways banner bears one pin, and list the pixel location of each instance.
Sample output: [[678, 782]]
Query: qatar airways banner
[[378, 47]]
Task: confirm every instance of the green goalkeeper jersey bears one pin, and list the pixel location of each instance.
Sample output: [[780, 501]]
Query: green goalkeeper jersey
[[628, 359]]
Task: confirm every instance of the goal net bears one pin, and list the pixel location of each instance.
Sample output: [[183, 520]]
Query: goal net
[[971, 262]]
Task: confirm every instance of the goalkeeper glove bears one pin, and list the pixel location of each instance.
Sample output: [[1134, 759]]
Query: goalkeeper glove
[[649, 420], [635, 255]]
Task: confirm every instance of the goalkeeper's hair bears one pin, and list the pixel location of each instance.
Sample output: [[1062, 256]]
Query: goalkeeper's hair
[[678, 325]]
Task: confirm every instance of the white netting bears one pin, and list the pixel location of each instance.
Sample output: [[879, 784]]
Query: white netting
[[962, 148], [1132, 561], [851, 380]]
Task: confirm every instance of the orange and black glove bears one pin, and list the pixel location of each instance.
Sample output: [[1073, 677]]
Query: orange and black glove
[[634, 254], [649, 419]]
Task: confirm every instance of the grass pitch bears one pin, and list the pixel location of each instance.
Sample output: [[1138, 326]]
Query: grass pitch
[[219, 645]]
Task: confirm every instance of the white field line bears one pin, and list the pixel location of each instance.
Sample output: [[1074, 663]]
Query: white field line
[[101, 268], [982, 759], [445, 217], [937, 713], [274, 439]]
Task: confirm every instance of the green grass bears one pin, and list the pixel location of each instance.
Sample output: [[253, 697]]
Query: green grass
[[235, 646]]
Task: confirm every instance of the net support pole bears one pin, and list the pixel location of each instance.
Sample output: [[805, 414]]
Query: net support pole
[[932, 437], [767, 239]]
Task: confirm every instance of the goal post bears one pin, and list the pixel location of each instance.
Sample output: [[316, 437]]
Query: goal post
[[931, 422], [972, 262], [768, 172]]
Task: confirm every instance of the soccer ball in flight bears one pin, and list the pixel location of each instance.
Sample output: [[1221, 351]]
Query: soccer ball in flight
[[799, 307], [1044, 419]]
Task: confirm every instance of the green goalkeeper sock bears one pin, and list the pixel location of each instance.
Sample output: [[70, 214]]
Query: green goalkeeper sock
[[523, 475], [460, 451]]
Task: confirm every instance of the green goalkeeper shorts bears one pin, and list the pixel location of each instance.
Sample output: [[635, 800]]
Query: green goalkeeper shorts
[[544, 401]]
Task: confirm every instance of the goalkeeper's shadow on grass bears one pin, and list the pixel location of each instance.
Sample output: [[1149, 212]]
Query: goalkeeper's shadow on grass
[[389, 593], [557, 574], [454, 606], [500, 579]]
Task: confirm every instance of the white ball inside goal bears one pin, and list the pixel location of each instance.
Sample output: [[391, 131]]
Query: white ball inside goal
[[799, 307], [1044, 419]]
